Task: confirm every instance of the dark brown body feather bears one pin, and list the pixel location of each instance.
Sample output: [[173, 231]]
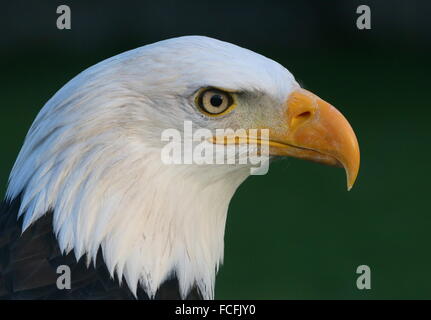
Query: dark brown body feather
[[29, 261]]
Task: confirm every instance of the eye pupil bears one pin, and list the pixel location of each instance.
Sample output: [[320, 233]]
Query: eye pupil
[[216, 100]]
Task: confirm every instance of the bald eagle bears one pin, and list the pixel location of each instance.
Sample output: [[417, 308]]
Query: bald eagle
[[89, 189]]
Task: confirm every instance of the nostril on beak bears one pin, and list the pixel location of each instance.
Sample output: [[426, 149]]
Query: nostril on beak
[[301, 107], [304, 115], [300, 118]]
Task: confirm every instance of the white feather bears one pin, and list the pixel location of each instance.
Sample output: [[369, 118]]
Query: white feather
[[92, 155]]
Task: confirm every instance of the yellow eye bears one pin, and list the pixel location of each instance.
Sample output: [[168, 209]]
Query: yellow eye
[[214, 102]]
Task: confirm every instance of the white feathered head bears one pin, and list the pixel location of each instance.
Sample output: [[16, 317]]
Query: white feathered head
[[93, 155]]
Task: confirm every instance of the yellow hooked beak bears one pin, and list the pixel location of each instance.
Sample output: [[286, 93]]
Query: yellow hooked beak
[[313, 130], [318, 132]]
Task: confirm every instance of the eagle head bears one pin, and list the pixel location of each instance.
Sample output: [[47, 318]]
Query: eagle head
[[94, 155]]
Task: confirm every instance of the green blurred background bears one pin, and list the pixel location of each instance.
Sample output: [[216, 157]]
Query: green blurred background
[[295, 233]]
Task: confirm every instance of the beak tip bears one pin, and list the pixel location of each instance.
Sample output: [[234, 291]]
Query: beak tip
[[351, 178], [350, 182]]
